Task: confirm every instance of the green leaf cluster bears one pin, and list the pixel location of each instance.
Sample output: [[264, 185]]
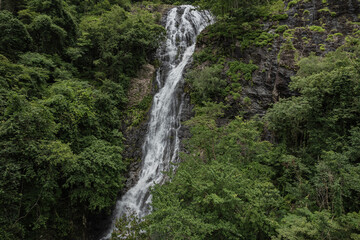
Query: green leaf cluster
[[64, 73], [223, 189], [206, 83]]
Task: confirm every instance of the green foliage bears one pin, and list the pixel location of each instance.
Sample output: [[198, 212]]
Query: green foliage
[[315, 28], [288, 117], [277, 7], [28, 81], [281, 28], [62, 99], [96, 176], [292, 4], [52, 65], [206, 83], [93, 7], [137, 114], [234, 8], [307, 225], [328, 85], [60, 15], [304, 224], [205, 55], [238, 23], [14, 37], [116, 44], [320, 128], [50, 38], [280, 17], [32, 162], [222, 189], [265, 39], [240, 70], [327, 10]]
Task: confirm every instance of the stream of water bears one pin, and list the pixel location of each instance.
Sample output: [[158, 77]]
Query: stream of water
[[161, 145]]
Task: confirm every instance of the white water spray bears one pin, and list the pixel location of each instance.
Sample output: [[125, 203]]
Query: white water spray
[[161, 146]]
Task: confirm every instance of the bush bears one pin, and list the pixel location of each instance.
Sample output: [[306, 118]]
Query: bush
[[206, 83]]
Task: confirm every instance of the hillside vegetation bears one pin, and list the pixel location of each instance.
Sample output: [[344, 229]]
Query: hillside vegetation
[[274, 151], [65, 68], [290, 172]]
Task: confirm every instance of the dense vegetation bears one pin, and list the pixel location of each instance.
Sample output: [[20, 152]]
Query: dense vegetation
[[64, 72], [234, 185], [65, 68]]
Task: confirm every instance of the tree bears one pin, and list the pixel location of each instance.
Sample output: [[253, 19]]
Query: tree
[[14, 38], [319, 131], [50, 38], [60, 15], [31, 161], [307, 225], [118, 42], [97, 176], [206, 84], [222, 189]]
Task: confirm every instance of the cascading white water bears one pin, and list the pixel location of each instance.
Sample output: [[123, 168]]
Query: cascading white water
[[161, 145]]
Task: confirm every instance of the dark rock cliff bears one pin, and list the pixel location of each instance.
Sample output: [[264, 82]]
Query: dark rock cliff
[[312, 26]]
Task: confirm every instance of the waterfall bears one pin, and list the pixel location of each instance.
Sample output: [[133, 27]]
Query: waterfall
[[161, 145]]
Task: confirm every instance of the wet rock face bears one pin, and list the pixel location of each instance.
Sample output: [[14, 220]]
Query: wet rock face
[[278, 63], [140, 86], [277, 66], [186, 114], [134, 139]]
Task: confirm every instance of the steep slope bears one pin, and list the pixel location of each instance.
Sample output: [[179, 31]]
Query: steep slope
[[288, 34]]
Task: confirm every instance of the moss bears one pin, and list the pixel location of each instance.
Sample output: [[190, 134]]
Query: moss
[[322, 47], [330, 38], [315, 28], [288, 34], [306, 40], [287, 46], [292, 4], [326, 9], [355, 23], [235, 91], [277, 7], [281, 28], [137, 114], [204, 56], [280, 17], [247, 101], [296, 56], [239, 70]]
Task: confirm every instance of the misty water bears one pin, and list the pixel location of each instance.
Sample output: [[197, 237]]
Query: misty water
[[161, 145]]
